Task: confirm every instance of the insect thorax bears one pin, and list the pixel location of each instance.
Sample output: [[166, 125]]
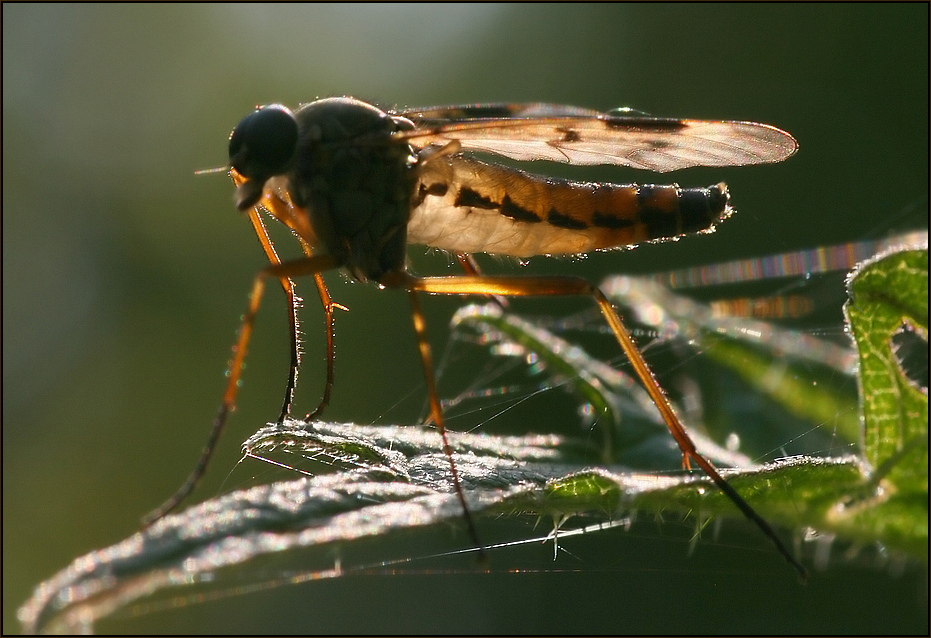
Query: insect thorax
[[356, 182]]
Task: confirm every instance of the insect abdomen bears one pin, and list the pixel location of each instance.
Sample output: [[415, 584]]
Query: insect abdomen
[[465, 205]]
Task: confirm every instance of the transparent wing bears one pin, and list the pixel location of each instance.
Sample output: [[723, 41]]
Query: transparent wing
[[578, 136]]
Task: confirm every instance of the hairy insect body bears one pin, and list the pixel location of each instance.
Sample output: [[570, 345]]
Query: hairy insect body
[[355, 184], [359, 192], [466, 205]]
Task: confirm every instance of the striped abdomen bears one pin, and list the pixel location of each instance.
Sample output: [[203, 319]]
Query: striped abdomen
[[463, 205]]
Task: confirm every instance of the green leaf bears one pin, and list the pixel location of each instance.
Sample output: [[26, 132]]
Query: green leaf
[[397, 480], [888, 294], [392, 480], [795, 370]]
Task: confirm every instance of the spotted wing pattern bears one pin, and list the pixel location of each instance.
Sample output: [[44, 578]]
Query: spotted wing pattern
[[579, 136]]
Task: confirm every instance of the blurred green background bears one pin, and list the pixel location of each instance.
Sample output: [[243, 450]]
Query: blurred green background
[[124, 274]]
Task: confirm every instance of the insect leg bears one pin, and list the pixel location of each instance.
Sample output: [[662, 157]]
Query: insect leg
[[435, 152], [281, 271], [328, 305], [469, 265], [575, 286], [436, 411], [262, 234]]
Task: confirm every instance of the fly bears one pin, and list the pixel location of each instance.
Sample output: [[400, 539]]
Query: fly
[[356, 185]]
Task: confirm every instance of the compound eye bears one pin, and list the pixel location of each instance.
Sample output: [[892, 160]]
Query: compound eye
[[263, 144]]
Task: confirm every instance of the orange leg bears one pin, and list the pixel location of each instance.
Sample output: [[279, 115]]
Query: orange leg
[[575, 286], [282, 271], [467, 261], [262, 234], [328, 305], [436, 412]]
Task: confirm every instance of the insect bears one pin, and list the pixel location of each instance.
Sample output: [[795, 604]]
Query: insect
[[356, 185]]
